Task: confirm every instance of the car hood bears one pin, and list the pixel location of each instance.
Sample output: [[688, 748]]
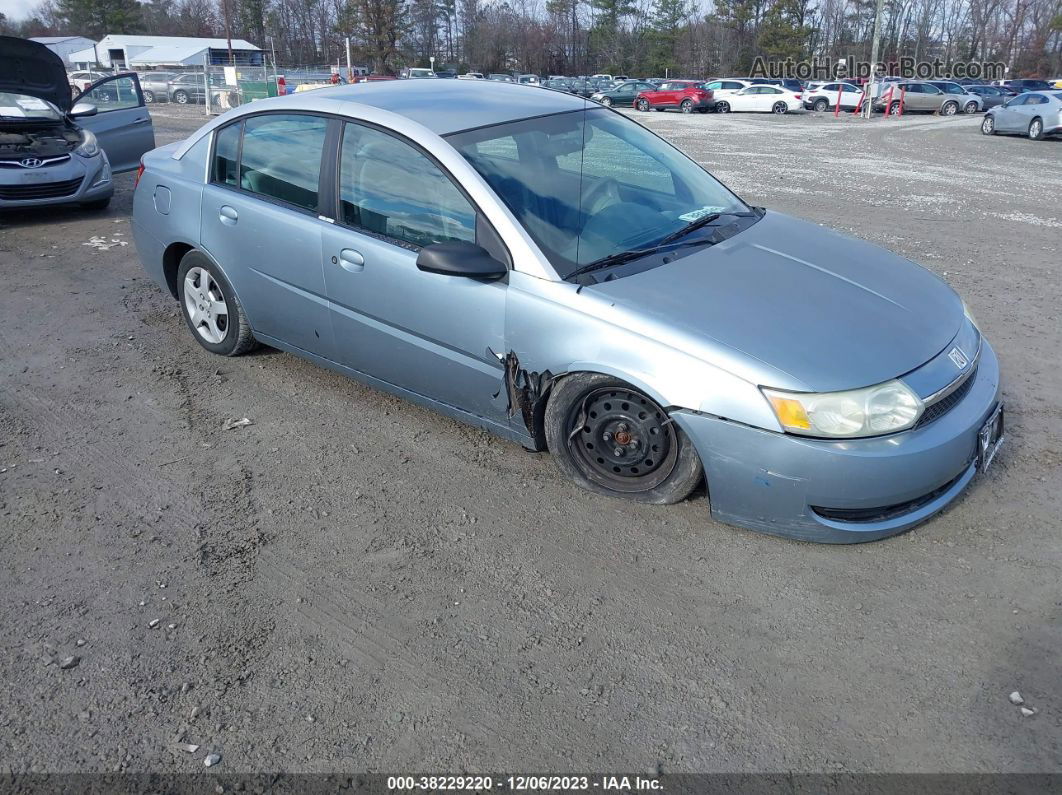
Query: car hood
[[28, 67], [830, 311]]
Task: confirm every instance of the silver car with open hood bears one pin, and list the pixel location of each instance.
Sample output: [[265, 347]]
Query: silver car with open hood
[[55, 149]]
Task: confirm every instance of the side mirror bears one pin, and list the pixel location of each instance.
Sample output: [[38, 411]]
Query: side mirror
[[460, 259], [83, 109]]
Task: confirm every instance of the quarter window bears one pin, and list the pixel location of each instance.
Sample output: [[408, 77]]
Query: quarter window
[[389, 188], [226, 154], [281, 157]]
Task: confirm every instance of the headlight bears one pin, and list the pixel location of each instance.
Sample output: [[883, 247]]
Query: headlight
[[875, 410], [969, 316], [90, 147]]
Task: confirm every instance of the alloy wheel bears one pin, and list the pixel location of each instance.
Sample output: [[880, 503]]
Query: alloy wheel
[[949, 109], [988, 126], [1035, 129], [687, 106], [205, 304], [780, 107]]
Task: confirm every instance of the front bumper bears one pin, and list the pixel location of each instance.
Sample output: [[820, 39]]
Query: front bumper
[[79, 179], [769, 481]]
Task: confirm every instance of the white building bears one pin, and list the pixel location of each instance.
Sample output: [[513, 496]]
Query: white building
[[140, 52], [63, 46]]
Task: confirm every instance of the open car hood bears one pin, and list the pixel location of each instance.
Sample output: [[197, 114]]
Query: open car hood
[[28, 67]]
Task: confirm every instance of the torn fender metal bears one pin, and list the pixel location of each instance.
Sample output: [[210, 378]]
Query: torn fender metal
[[525, 390]]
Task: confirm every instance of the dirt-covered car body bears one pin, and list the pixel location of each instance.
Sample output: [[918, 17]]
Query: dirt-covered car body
[[480, 247]]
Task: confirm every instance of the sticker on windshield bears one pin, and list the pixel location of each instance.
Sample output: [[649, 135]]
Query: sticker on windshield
[[694, 215]]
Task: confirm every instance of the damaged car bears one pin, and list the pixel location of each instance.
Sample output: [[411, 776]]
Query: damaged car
[[58, 149], [535, 264]]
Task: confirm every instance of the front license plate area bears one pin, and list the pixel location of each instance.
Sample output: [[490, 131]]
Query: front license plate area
[[990, 439]]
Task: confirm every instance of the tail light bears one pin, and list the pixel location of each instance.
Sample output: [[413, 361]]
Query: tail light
[[139, 174], [797, 96]]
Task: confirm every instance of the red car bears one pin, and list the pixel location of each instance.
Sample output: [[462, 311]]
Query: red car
[[684, 95]]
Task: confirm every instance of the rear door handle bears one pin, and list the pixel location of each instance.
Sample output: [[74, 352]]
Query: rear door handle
[[351, 260], [228, 215]]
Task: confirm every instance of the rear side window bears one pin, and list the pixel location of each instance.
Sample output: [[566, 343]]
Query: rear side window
[[281, 157], [226, 154], [389, 188]]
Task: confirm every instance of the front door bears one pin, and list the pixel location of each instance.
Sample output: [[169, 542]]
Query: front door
[[437, 336], [122, 124], [260, 222]]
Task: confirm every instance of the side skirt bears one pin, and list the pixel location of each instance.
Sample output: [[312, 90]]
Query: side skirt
[[504, 431]]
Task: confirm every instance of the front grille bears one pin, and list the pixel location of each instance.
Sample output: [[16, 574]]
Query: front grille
[[946, 404], [40, 190], [886, 512]]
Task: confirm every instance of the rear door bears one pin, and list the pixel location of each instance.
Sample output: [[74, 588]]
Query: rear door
[[260, 221], [122, 123]]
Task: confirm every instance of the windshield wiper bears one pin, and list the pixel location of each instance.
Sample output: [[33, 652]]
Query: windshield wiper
[[637, 253], [704, 220]]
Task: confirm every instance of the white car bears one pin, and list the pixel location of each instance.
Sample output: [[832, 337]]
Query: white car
[[761, 99], [726, 86], [82, 79], [825, 96], [471, 76]]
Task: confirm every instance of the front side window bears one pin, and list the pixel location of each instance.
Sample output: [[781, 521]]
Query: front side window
[[389, 188], [117, 94], [590, 184], [281, 157]]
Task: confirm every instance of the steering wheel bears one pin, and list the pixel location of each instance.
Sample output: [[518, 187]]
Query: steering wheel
[[604, 193]]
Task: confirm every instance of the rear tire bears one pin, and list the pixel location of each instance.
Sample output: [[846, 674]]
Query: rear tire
[[591, 416], [895, 108], [686, 106], [149, 96], [949, 109], [212, 287], [1036, 130], [780, 108], [971, 107], [180, 97]]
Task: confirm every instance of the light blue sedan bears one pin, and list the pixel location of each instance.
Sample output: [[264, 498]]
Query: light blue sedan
[[537, 265]]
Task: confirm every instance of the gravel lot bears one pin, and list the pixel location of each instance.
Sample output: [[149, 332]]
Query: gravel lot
[[352, 583]]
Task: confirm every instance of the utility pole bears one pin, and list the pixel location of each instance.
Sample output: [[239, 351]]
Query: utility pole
[[228, 30], [349, 73], [868, 106]]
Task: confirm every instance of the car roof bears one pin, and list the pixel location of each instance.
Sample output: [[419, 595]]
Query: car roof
[[450, 106]]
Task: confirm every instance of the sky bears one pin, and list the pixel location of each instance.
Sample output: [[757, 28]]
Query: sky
[[15, 9]]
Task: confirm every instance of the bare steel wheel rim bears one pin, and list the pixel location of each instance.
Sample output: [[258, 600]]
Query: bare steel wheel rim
[[622, 440], [205, 304]]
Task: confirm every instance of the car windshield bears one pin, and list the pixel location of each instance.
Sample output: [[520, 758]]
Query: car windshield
[[19, 107], [590, 185]]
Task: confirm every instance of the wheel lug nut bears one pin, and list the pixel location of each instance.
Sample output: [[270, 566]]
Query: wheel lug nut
[[622, 426], [618, 451], [634, 443], [607, 436]]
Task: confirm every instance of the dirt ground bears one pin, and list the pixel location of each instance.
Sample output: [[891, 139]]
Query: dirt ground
[[352, 583]]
